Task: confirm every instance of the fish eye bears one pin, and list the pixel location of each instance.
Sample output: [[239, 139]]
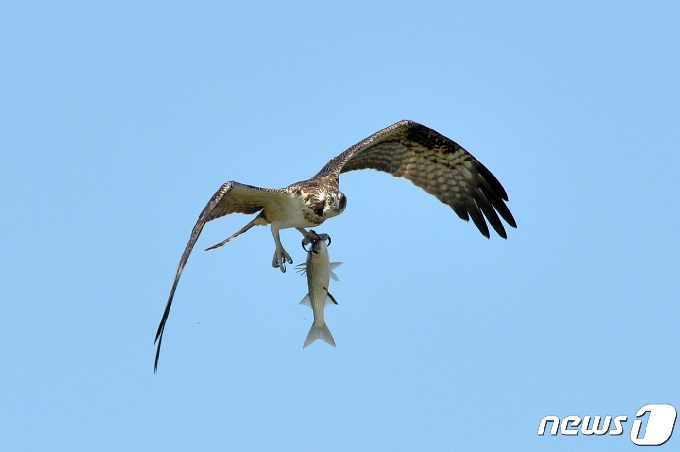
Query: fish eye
[[329, 200]]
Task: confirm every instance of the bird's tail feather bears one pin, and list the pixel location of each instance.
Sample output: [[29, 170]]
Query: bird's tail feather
[[257, 221]]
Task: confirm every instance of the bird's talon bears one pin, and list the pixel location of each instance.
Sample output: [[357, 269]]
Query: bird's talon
[[326, 238], [280, 259], [310, 237]]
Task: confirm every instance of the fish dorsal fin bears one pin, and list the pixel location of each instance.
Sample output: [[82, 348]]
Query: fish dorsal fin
[[333, 266], [306, 301]]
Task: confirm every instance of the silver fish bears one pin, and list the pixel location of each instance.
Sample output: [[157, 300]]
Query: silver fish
[[319, 270]]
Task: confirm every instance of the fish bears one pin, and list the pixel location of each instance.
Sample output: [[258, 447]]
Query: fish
[[319, 270]]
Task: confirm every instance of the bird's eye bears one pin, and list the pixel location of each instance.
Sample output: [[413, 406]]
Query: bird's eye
[[329, 200]]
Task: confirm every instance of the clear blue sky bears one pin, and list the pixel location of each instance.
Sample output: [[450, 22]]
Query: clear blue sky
[[119, 120]]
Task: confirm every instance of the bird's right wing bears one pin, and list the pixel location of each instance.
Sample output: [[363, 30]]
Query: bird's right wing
[[232, 197], [435, 163]]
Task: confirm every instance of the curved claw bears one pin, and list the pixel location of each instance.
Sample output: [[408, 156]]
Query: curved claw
[[280, 258], [310, 238], [325, 237]]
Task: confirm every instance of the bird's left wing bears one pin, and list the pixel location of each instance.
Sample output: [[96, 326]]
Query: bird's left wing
[[434, 163], [232, 197]]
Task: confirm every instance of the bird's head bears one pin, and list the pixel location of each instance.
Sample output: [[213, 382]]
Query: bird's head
[[330, 204]]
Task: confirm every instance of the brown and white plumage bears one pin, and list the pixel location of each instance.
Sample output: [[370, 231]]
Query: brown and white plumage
[[406, 149], [434, 163]]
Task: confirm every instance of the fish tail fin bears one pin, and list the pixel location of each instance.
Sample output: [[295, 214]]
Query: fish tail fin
[[319, 331]]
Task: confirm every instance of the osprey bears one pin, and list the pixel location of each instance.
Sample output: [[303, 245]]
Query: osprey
[[406, 149]]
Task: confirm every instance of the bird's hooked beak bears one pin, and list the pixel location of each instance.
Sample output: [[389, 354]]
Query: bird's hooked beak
[[342, 202]]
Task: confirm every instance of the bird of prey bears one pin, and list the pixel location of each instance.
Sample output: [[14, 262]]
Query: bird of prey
[[406, 149]]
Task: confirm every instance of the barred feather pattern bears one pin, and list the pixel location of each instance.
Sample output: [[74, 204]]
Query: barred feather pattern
[[436, 164]]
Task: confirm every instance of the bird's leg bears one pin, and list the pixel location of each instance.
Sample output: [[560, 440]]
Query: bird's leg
[[280, 255]]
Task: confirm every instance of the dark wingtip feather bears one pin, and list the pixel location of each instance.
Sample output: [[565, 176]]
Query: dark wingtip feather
[[484, 203], [158, 351], [500, 230], [501, 208], [478, 219], [460, 211], [492, 181]]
